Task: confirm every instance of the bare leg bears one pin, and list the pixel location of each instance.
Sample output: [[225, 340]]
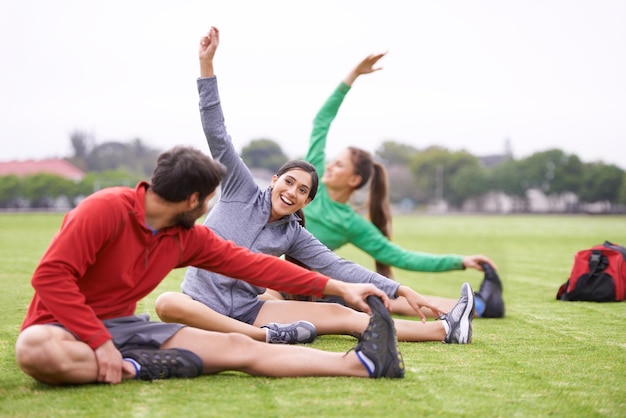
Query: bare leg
[[328, 318], [180, 308], [220, 352], [52, 355], [400, 306], [333, 318]]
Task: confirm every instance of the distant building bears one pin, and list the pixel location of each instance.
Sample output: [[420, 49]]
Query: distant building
[[55, 166]]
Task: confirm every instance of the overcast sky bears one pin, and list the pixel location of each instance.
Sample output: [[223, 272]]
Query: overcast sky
[[461, 74]]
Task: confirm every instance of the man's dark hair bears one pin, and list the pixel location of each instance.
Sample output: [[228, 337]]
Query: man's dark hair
[[182, 171]]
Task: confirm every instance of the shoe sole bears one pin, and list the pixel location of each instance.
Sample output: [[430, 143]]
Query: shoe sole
[[493, 277], [378, 307], [464, 323]]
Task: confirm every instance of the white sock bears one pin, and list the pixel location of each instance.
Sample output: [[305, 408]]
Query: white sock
[[369, 365], [136, 365]]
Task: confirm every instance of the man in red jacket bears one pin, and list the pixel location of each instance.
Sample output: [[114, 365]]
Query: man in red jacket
[[119, 243]]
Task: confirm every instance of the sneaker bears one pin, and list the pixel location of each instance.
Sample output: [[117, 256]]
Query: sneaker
[[460, 318], [294, 333], [164, 364], [379, 343], [491, 292]]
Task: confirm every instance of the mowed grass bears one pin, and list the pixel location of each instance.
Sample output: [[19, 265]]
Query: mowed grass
[[546, 358]]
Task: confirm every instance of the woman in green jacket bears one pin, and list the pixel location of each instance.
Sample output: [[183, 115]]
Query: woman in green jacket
[[332, 220]]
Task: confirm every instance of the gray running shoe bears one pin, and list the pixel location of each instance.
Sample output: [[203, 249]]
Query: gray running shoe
[[379, 343], [491, 292], [164, 364], [460, 318], [294, 333]]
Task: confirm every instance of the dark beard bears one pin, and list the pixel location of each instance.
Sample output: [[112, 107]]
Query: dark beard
[[186, 219]]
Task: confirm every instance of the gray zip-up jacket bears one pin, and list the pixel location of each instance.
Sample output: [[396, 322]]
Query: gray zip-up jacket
[[241, 215]]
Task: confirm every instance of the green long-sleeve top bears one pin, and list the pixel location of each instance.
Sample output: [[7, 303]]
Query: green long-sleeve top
[[336, 224]]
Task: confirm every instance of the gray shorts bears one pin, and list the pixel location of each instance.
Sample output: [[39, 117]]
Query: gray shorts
[[137, 331], [249, 316]]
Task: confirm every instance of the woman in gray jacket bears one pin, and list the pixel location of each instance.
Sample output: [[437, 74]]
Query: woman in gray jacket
[[265, 220]]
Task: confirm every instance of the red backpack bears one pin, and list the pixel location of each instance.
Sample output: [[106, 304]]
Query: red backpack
[[598, 275]]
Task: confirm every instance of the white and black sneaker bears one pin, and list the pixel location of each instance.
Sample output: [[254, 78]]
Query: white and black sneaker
[[459, 319], [299, 332]]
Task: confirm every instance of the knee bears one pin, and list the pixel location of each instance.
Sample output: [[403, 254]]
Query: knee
[[167, 307], [240, 345], [32, 349]]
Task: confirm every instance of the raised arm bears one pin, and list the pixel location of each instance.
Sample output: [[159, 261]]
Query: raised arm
[[316, 154], [206, 51], [366, 66]]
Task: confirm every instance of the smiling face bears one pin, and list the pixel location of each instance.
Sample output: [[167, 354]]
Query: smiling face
[[340, 172], [290, 192]]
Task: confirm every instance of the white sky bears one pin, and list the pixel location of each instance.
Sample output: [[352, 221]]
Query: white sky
[[462, 74]]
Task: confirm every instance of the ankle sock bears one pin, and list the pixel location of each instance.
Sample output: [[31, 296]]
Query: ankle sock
[[479, 305], [136, 365], [369, 365]]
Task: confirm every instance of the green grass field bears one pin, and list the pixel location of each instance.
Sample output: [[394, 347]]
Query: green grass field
[[546, 358]]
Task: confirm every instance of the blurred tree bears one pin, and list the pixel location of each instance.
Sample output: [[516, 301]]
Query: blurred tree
[[402, 184], [263, 153], [601, 182], [621, 195], [394, 153], [10, 187], [469, 181], [507, 178], [134, 157], [434, 168], [551, 171], [41, 189], [82, 144]]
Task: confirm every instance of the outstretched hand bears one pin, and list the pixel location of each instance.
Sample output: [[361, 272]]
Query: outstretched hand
[[418, 301], [366, 66], [358, 299], [355, 294], [206, 51], [475, 261]]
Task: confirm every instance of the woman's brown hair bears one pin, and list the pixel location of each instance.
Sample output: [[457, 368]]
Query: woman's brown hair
[[378, 198]]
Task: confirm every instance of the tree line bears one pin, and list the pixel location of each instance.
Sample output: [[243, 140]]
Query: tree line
[[437, 174], [419, 176], [111, 163]]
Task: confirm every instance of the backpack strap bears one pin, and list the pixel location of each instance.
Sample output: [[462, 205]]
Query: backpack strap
[[594, 261], [616, 247]]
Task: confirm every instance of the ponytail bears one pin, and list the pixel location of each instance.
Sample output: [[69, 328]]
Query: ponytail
[[380, 210], [378, 199]]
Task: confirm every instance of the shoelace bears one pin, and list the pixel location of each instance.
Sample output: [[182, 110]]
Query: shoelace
[[285, 335], [158, 368]]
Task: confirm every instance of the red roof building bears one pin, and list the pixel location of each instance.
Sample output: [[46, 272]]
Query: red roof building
[[56, 166]]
